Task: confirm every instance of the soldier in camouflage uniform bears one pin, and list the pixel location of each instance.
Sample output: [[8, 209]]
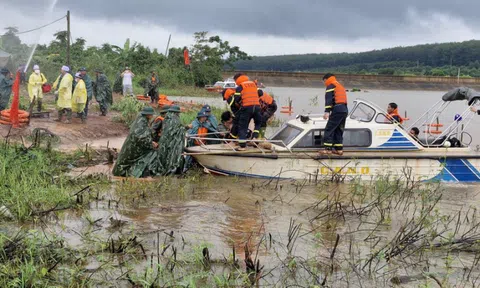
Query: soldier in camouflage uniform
[[172, 143], [138, 152], [103, 92], [152, 86]]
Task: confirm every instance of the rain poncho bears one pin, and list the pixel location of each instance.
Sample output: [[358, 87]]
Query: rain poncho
[[171, 145], [212, 122], [79, 98], [103, 92], [35, 83], [89, 86], [65, 92], [5, 91], [196, 125], [137, 152]]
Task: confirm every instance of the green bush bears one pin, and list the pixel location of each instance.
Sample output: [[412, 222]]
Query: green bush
[[129, 107]]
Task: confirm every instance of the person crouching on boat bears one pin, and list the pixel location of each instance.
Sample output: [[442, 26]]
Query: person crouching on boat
[[392, 110], [200, 127], [336, 112], [269, 107], [227, 123], [249, 108], [233, 103]]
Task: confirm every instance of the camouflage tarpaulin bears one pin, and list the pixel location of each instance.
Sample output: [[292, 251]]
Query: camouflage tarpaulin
[[171, 145], [137, 152]]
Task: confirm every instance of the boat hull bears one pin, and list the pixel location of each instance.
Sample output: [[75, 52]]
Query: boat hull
[[449, 169]]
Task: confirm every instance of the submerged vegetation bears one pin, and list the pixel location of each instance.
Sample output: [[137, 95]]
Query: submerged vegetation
[[86, 231]]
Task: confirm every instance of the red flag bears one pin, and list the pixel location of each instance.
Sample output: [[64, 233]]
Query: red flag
[[16, 101], [186, 57]]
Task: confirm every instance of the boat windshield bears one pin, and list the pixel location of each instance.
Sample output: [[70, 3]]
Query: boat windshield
[[220, 84], [287, 134]]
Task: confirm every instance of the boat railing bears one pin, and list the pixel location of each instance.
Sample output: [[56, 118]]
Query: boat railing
[[202, 139]]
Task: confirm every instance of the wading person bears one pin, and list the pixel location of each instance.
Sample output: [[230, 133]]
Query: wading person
[[392, 110], [152, 87], [64, 94], [249, 108], [89, 86], [269, 107], [336, 112], [103, 92], [35, 83], [79, 98], [138, 150], [127, 82], [6, 83]]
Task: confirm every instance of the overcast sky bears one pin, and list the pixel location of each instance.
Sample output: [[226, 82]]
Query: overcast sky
[[259, 27]]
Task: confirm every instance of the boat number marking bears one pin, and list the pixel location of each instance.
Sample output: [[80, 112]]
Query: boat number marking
[[345, 170], [384, 133]]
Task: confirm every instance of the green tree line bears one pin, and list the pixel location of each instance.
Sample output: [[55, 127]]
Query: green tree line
[[209, 55], [430, 59]]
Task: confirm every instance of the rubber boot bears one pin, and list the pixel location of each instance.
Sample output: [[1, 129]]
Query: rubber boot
[[39, 105], [262, 132], [69, 116], [83, 117], [103, 111], [60, 115]]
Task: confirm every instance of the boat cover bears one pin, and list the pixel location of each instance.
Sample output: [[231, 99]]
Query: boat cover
[[460, 94]]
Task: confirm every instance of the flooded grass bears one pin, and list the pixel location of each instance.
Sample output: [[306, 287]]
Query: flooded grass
[[205, 231]]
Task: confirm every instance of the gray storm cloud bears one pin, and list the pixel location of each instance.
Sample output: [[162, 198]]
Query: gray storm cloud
[[351, 19]]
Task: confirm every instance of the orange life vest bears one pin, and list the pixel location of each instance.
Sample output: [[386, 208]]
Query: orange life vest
[[393, 114], [228, 93], [340, 92], [158, 119], [202, 132], [249, 92], [266, 98]]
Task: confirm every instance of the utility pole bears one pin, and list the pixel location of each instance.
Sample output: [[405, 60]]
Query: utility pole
[[68, 38], [168, 44]]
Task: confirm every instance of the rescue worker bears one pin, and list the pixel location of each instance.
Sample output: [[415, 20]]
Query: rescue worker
[[227, 123], [336, 112], [89, 85], [103, 92], [79, 98], [64, 94], [269, 107], [35, 83], [137, 152], [211, 119], [157, 125], [233, 103], [6, 83], [152, 86], [249, 108], [475, 110], [392, 110], [201, 127]]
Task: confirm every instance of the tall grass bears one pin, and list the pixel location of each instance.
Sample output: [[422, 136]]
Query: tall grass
[[31, 181], [129, 107]]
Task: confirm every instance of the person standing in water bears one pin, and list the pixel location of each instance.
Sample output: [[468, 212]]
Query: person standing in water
[[336, 112]]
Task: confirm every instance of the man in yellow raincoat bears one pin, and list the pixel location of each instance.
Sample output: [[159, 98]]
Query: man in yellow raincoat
[[79, 98], [64, 94], [35, 82]]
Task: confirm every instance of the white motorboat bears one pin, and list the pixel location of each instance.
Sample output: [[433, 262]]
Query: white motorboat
[[374, 146], [220, 85]]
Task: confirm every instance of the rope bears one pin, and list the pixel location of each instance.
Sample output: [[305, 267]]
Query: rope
[[38, 28]]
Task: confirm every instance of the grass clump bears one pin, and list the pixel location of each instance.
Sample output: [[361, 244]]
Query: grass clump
[[129, 107]]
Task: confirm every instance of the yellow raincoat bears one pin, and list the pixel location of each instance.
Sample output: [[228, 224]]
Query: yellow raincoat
[[65, 92], [35, 83], [79, 99]]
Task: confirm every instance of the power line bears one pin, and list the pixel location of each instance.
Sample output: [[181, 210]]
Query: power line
[[38, 28]]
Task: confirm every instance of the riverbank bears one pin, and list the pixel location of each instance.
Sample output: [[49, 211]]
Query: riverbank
[[364, 82]]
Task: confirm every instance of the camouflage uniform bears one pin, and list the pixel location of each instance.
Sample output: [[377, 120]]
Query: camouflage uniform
[[103, 93], [137, 152], [5, 91], [171, 145]]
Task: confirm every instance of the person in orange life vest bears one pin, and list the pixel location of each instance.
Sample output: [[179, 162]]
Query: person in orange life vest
[[233, 103], [201, 127], [157, 125], [392, 110], [269, 107], [249, 108], [336, 112]]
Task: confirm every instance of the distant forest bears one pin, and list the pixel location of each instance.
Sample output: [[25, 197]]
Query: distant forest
[[430, 59]]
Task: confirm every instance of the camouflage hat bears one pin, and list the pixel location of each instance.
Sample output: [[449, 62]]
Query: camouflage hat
[[202, 114], [4, 70], [147, 110], [98, 70], [174, 109], [207, 108], [83, 69]]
